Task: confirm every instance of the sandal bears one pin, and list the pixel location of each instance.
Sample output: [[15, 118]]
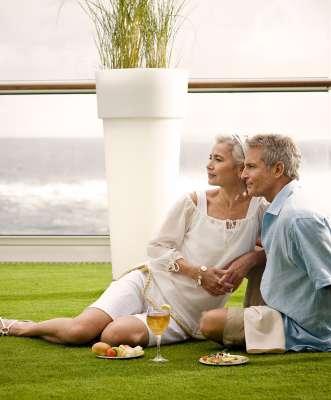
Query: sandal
[[5, 327]]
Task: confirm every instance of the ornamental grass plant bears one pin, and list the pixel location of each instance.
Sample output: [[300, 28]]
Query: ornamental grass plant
[[134, 33], [35, 369]]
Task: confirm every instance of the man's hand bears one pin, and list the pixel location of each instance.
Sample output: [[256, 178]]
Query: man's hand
[[233, 273]]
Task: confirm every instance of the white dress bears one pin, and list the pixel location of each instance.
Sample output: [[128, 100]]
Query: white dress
[[189, 233]]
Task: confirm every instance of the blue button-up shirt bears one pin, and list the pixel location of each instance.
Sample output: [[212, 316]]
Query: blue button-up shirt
[[297, 277]]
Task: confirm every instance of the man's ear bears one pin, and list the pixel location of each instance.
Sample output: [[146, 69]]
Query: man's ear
[[278, 169]]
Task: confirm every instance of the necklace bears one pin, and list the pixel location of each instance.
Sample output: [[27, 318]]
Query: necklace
[[244, 194], [231, 211], [227, 204]]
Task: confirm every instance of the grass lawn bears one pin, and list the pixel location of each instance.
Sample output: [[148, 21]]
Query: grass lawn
[[34, 369]]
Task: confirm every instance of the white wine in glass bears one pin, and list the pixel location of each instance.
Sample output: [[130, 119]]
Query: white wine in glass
[[158, 321]]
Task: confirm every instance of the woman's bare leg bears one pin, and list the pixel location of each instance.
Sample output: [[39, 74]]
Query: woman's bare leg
[[126, 330], [78, 330]]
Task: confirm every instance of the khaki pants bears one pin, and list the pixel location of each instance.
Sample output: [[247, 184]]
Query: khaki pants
[[234, 333], [256, 325]]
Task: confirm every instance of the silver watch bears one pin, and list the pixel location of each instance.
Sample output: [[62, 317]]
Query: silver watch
[[203, 268]]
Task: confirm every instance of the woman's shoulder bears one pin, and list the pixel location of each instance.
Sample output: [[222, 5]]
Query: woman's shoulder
[[261, 202], [258, 205], [188, 201], [258, 200], [212, 194], [203, 195], [194, 197]]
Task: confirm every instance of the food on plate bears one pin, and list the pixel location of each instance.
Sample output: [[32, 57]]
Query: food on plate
[[111, 352], [223, 359], [124, 350], [100, 348]]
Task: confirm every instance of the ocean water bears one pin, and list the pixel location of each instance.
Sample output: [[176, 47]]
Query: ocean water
[[52, 186]]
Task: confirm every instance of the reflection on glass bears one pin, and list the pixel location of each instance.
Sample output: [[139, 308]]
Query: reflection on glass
[[158, 321]]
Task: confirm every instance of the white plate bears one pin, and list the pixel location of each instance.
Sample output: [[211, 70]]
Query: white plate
[[122, 358], [237, 360]]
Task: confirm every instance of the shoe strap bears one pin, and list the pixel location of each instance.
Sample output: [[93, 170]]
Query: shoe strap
[[4, 330]]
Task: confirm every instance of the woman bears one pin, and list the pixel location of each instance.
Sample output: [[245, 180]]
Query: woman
[[202, 252]]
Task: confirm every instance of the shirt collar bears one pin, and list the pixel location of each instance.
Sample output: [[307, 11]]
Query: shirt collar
[[281, 197]]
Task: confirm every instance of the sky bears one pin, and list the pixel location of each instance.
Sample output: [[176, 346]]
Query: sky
[[53, 40]]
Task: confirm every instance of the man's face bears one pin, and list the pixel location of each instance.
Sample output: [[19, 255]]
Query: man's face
[[258, 177]]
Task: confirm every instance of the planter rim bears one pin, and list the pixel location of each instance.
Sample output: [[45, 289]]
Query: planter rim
[[142, 92], [141, 69]]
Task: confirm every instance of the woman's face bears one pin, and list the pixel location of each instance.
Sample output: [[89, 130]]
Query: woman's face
[[222, 169]]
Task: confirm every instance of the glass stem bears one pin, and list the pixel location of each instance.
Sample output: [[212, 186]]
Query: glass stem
[[158, 344]]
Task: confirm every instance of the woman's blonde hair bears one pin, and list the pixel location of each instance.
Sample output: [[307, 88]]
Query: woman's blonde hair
[[238, 150]]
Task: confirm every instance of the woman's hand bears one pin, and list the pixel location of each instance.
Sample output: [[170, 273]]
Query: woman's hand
[[214, 283], [210, 279], [218, 282]]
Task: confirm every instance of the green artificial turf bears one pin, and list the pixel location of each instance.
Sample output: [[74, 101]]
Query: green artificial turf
[[34, 369]]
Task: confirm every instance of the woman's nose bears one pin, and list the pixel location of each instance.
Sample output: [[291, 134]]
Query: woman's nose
[[210, 164]]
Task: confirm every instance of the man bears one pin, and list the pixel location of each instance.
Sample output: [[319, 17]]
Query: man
[[296, 283]]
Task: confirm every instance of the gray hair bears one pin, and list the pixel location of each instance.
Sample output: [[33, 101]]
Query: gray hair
[[278, 148], [238, 151]]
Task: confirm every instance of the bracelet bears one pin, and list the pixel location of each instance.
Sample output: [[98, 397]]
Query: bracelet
[[203, 268], [173, 267]]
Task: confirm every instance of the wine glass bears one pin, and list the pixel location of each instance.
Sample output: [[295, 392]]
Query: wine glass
[[158, 320]]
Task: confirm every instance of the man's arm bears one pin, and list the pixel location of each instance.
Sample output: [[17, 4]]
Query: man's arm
[[312, 243], [239, 268]]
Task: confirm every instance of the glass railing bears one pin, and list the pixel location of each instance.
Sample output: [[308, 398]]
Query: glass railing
[[52, 178]]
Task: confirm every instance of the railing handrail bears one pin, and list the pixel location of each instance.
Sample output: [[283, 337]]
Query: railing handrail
[[195, 85]]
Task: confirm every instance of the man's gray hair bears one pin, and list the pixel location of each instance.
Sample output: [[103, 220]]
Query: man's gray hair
[[278, 148], [238, 151]]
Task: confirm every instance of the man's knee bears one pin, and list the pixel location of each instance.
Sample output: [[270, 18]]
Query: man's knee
[[125, 330], [224, 326], [212, 324], [234, 332]]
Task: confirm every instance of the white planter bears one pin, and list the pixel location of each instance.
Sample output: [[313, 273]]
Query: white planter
[[142, 112]]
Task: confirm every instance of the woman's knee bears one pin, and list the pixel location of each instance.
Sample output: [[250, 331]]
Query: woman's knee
[[212, 324], [79, 333], [86, 326], [126, 330]]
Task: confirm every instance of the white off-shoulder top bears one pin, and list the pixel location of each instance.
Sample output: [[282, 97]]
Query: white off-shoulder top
[[190, 233]]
